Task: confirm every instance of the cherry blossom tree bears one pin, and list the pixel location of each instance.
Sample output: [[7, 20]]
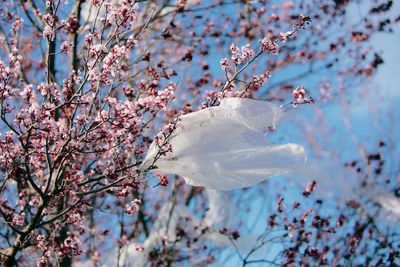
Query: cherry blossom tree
[[99, 99]]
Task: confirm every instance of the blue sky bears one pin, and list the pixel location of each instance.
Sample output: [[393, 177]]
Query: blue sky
[[369, 115]]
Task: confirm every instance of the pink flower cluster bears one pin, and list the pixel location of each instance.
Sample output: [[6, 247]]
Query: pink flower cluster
[[41, 242], [247, 52], [5, 71], [48, 31], [19, 219], [97, 50], [181, 4], [162, 143], [120, 12], [283, 36], [224, 64], [17, 24], [259, 80], [70, 246], [95, 2], [133, 207], [269, 46], [299, 95], [66, 47], [238, 56], [113, 60], [43, 261], [235, 54], [163, 179], [158, 100]]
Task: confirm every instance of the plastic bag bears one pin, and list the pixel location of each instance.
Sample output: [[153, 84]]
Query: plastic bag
[[224, 147]]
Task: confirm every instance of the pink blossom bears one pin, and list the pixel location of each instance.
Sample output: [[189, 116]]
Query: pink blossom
[[235, 54], [299, 95], [180, 4], [48, 33], [132, 42], [96, 2], [283, 36], [73, 137], [224, 63], [247, 52], [133, 207], [70, 246], [49, 19], [273, 17], [259, 80], [269, 45], [160, 101], [15, 59], [76, 218], [43, 260], [165, 148], [17, 24], [27, 93], [112, 16], [66, 47], [35, 201], [19, 219], [5, 72], [93, 75], [41, 239], [163, 179], [97, 50]]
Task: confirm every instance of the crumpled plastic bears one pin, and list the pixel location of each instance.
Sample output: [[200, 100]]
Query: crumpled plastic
[[224, 147]]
